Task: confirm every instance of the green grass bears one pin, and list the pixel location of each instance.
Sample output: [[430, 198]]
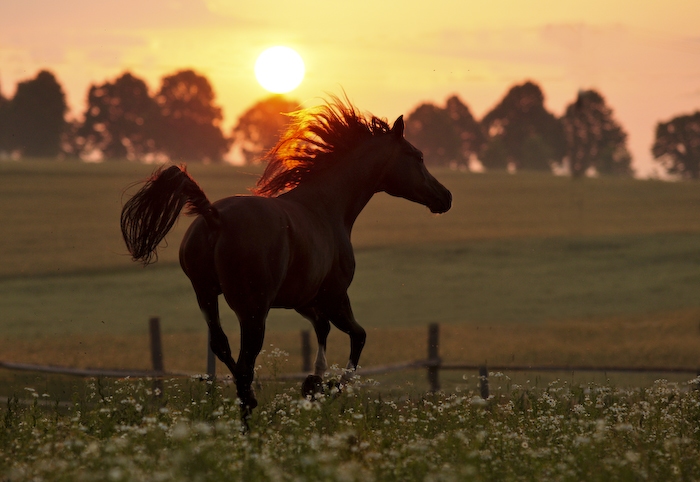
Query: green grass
[[64, 217], [482, 281], [526, 269], [525, 250]]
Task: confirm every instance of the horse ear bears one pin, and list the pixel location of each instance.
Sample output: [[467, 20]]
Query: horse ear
[[398, 127]]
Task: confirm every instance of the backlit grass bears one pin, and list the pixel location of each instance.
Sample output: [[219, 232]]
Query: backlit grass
[[504, 280], [661, 339], [60, 217], [518, 256], [119, 431]]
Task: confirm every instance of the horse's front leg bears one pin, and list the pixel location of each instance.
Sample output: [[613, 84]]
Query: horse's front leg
[[342, 317], [314, 383]]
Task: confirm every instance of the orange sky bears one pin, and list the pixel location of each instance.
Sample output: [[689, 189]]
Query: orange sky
[[642, 55]]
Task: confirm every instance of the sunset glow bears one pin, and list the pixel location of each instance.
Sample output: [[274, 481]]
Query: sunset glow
[[279, 69], [643, 57]]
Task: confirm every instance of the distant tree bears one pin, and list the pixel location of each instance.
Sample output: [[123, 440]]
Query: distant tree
[[121, 119], [495, 155], [4, 124], [259, 127], [191, 124], [677, 145], [72, 145], [445, 135], [431, 130], [537, 153], [471, 135], [36, 116], [522, 133], [594, 138]]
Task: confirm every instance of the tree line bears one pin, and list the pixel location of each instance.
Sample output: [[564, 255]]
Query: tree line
[[122, 120], [182, 121], [520, 134]]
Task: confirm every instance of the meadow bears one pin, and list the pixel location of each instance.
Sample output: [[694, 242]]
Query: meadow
[[525, 269], [118, 431]]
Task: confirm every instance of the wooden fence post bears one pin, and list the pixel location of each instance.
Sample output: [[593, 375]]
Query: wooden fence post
[[211, 359], [434, 357], [156, 344], [156, 353], [484, 382], [305, 351]]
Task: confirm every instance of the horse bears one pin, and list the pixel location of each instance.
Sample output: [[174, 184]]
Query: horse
[[288, 244]]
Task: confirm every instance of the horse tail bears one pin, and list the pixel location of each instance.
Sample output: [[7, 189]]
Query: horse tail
[[148, 216]]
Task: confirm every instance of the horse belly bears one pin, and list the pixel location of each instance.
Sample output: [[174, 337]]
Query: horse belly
[[264, 263], [247, 277], [270, 253], [301, 284]]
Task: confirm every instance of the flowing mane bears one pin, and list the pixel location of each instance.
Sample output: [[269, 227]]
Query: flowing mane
[[312, 142]]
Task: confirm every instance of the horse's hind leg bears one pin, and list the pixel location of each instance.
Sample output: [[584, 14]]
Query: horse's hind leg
[[218, 341], [252, 336]]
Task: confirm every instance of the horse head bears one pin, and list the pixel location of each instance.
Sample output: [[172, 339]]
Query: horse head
[[407, 177]]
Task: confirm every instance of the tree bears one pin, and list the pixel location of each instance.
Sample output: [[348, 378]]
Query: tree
[[4, 125], [677, 145], [36, 116], [191, 124], [431, 130], [468, 129], [594, 138], [72, 144], [121, 120], [522, 133], [259, 128], [495, 154], [449, 135]]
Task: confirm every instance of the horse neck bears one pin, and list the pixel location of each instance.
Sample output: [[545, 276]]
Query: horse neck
[[343, 190]]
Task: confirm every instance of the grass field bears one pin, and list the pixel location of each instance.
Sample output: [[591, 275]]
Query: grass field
[[524, 270], [528, 258], [117, 431]]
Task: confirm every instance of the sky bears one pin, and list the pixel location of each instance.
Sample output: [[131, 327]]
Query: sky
[[643, 56]]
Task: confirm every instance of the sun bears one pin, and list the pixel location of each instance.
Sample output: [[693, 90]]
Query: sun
[[279, 69]]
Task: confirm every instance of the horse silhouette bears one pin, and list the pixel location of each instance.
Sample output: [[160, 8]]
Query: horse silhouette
[[287, 246]]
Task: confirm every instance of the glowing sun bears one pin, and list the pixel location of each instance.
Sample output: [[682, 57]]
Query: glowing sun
[[279, 69]]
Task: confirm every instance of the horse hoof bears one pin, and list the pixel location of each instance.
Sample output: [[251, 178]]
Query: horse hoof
[[311, 386], [248, 406], [251, 404], [246, 413]]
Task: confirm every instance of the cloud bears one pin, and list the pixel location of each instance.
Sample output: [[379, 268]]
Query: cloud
[[67, 15]]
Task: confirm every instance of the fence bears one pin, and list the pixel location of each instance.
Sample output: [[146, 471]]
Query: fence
[[433, 364]]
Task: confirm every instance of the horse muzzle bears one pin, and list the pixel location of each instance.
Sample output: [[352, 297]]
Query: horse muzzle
[[441, 201]]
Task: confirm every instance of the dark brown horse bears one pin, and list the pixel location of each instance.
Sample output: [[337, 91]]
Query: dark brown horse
[[289, 245]]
